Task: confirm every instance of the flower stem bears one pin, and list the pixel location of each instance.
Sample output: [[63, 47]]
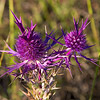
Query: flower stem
[[14, 87], [11, 23], [95, 35], [93, 27], [94, 81], [2, 5]]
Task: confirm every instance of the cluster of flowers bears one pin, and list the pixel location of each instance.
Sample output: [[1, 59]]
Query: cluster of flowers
[[33, 54]]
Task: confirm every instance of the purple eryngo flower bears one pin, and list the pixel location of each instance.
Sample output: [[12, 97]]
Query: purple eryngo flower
[[30, 49], [75, 42]]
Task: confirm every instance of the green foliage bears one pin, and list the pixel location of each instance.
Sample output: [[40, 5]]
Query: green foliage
[[53, 14]]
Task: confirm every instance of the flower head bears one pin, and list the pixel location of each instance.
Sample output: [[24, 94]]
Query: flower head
[[76, 40], [30, 49], [75, 43]]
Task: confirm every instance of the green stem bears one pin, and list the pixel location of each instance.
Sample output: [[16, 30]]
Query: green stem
[[93, 27], [94, 81], [11, 23], [14, 87], [2, 4], [2, 55], [95, 35]]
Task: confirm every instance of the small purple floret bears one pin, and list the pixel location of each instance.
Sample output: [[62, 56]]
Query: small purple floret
[[30, 49], [75, 42]]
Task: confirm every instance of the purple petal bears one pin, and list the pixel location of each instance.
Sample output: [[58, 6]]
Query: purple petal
[[19, 23], [68, 65], [61, 62], [32, 26], [17, 66], [69, 52], [63, 33], [60, 52], [76, 26], [89, 46], [53, 43], [47, 38], [55, 40], [30, 30], [10, 51], [89, 59], [77, 62], [84, 25], [41, 67]]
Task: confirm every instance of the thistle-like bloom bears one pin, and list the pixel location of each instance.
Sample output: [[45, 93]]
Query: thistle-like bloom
[[75, 43], [30, 49]]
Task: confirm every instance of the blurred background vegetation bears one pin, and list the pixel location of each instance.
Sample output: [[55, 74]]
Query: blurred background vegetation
[[53, 14]]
